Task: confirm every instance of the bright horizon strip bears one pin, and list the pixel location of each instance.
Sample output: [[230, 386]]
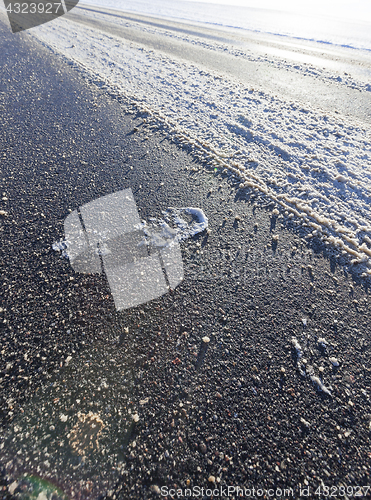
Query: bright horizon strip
[[358, 9]]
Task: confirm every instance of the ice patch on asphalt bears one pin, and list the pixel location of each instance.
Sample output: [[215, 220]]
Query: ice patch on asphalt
[[183, 230], [159, 232], [162, 233]]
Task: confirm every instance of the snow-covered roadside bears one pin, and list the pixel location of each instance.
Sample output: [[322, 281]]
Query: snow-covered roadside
[[254, 48], [313, 165]]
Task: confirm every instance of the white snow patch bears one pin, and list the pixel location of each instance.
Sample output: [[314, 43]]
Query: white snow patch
[[304, 422], [160, 233], [298, 349]]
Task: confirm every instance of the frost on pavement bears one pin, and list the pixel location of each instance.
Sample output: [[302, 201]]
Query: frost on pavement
[[141, 262]]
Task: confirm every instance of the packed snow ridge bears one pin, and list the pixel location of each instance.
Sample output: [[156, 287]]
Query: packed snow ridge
[[313, 165], [306, 68]]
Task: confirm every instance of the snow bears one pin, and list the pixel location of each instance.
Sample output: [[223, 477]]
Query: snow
[[318, 382], [308, 370], [299, 355], [198, 224], [345, 25], [322, 343], [61, 246], [314, 165], [160, 233]]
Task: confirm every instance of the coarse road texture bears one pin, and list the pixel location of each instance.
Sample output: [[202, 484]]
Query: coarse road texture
[[246, 417]]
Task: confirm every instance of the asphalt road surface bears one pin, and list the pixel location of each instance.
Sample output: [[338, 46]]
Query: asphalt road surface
[[245, 416]]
